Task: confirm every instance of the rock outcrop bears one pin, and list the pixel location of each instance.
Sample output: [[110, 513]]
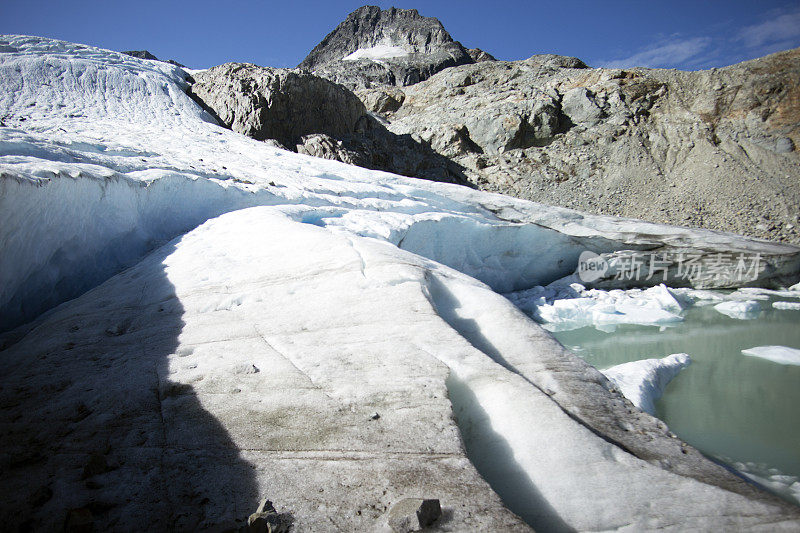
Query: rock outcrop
[[479, 55], [281, 104], [141, 54], [392, 47]]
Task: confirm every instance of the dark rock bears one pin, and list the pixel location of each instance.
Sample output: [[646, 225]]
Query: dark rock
[[141, 54], [173, 62], [413, 514], [144, 54], [429, 511], [326, 147], [267, 520], [281, 104]]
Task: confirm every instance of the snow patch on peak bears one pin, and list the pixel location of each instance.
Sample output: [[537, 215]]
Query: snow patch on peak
[[643, 382], [377, 52]]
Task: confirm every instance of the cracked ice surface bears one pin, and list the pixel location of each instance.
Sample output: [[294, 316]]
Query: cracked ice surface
[[242, 312]]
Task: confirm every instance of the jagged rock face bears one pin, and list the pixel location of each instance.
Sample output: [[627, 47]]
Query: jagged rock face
[[392, 47], [281, 104], [713, 149], [479, 55]]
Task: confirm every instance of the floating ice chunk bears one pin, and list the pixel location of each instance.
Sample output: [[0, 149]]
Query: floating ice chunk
[[643, 382], [745, 310], [782, 355], [664, 297], [380, 51], [786, 305]]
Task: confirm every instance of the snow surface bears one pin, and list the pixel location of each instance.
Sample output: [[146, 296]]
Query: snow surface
[[377, 52], [643, 382], [241, 311], [777, 354]]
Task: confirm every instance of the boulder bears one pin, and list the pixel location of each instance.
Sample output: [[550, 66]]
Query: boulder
[[383, 99], [326, 147], [267, 520], [580, 107], [281, 104]]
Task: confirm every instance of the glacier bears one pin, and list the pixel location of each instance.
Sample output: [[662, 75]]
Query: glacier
[[193, 320]]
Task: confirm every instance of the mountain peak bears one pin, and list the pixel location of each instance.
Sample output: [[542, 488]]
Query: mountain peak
[[394, 46], [370, 26]]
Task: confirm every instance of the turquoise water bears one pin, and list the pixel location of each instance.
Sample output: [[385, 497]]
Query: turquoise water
[[732, 407]]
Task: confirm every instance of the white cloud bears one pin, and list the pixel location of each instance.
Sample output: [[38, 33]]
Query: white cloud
[[672, 52], [780, 28]]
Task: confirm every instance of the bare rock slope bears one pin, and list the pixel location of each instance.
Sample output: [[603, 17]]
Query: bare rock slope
[[712, 149]]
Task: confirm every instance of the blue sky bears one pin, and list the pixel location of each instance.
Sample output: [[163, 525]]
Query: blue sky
[[679, 34]]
